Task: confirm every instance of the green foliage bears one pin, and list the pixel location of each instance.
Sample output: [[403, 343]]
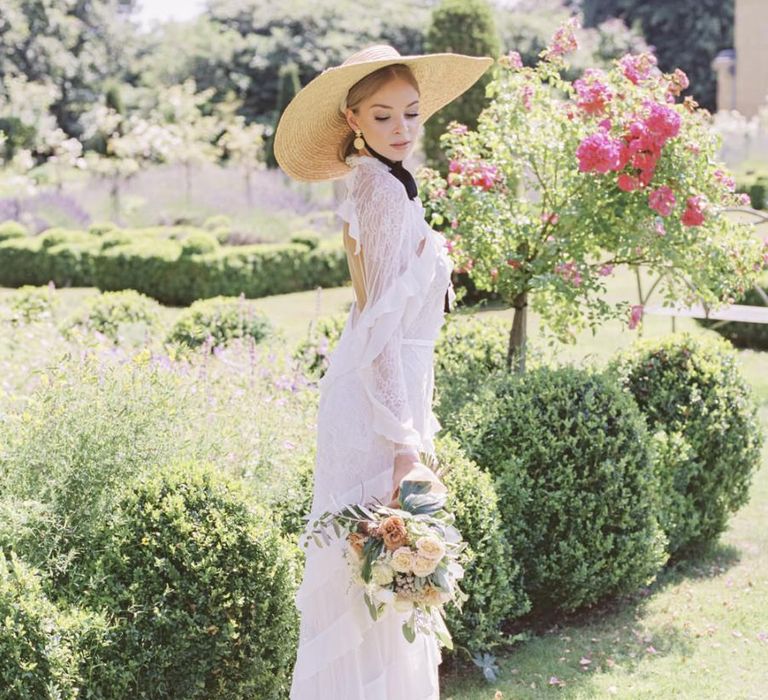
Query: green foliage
[[29, 304], [468, 351], [109, 312], [307, 237], [12, 229], [692, 389], [222, 319], [539, 225], [708, 24], [200, 587], [311, 34], [465, 27], [198, 242], [314, 351], [572, 466], [493, 575], [39, 642], [64, 457]]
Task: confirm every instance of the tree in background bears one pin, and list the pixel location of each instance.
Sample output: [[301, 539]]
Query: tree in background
[[686, 34], [466, 27], [563, 182], [287, 87], [72, 47]]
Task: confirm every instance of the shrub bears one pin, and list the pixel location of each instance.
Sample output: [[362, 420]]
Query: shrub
[[99, 228], [314, 351], [56, 236], [29, 303], [306, 237], [65, 455], [201, 588], [39, 643], [110, 312], [570, 456], [468, 350], [199, 242], [493, 575], [222, 318], [691, 388], [740, 333], [12, 229]]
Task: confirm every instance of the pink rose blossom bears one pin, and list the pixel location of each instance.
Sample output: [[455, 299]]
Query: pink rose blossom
[[662, 200], [605, 270], [598, 153], [636, 314], [569, 273], [514, 59], [663, 122], [638, 68], [743, 198], [693, 214], [564, 39], [458, 129], [628, 183], [659, 228], [593, 95], [527, 93], [678, 82], [551, 217]]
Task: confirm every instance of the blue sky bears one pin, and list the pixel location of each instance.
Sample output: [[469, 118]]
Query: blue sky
[[160, 10]]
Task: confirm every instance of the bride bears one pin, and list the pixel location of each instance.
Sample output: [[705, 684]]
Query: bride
[[359, 121]]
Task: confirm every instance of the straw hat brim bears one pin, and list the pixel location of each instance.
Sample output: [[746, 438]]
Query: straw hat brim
[[311, 128]]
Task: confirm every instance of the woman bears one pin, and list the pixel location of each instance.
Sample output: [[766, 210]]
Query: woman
[[359, 121]]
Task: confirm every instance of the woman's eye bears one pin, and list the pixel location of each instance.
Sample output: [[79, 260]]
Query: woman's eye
[[383, 119]]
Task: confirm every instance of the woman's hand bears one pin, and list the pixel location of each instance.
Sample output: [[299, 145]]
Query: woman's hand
[[408, 466]]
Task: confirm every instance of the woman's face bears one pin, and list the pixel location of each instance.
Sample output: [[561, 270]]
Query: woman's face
[[388, 117]]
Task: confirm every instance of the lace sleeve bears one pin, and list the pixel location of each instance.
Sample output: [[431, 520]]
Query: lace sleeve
[[381, 209]]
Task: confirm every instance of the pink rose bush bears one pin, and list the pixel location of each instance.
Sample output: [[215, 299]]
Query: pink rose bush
[[562, 182]]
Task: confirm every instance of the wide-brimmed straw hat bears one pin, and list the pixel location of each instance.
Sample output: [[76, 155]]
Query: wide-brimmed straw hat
[[313, 125]]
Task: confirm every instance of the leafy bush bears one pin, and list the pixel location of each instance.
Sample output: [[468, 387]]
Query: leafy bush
[[740, 333], [221, 318], [469, 349], [64, 456], [570, 455], [314, 351], [56, 236], [99, 228], [306, 237], [493, 575], [691, 388], [29, 303], [199, 242], [12, 229], [200, 586], [110, 312], [39, 643]]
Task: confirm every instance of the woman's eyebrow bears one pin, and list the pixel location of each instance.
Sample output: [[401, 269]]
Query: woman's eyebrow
[[389, 107]]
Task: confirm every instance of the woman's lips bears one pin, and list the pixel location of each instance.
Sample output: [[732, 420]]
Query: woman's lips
[[400, 145]]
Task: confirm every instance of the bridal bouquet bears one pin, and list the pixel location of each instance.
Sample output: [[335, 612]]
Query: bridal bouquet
[[406, 558]]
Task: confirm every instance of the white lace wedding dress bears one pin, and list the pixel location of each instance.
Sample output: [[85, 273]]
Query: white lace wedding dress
[[375, 396]]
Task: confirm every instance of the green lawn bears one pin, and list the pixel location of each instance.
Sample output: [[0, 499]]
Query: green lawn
[[701, 631]]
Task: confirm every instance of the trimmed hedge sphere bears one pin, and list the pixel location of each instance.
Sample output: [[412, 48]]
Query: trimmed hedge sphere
[[690, 387], [39, 643], [572, 465], [200, 586], [110, 312], [492, 576], [223, 319]]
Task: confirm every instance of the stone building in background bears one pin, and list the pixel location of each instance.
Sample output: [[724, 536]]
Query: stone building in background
[[742, 72]]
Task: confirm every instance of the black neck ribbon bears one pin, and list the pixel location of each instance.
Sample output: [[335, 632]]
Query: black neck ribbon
[[399, 171]]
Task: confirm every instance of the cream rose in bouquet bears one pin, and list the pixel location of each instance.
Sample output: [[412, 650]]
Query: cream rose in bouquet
[[406, 558]]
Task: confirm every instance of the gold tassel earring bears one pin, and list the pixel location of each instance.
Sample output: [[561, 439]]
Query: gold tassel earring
[[358, 143]]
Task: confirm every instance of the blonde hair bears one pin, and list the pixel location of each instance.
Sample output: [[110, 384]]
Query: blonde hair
[[367, 86]]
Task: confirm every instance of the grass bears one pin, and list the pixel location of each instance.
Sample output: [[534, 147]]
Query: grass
[[699, 631]]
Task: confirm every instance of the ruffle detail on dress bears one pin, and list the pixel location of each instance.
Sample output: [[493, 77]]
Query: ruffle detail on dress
[[371, 329], [346, 210]]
